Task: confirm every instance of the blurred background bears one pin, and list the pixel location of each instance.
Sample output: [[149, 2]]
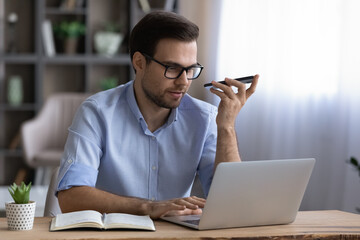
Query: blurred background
[[307, 54]]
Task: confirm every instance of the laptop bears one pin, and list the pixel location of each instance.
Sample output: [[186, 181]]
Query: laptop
[[254, 193]]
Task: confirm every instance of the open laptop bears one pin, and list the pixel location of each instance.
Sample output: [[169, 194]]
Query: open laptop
[[253, 193]]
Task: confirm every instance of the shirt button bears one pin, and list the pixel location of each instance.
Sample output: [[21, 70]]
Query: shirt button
[[153, 168], [153, 138], [69, 161], [152, 199]]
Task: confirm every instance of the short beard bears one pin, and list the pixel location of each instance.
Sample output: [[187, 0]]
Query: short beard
[[157, 99]]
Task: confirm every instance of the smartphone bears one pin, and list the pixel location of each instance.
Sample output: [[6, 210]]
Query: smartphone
[[247, 79]]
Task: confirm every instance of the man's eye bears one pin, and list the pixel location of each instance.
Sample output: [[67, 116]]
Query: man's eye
[[174, 69]]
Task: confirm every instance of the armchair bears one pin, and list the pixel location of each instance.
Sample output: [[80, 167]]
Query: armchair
[[44, 137]]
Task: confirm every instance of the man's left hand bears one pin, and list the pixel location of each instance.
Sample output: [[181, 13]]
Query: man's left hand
[[231, 102]]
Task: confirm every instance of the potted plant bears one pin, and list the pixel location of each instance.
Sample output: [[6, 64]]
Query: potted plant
[[108, 83], [108, 40], [20, 213], [354, 162], [68, 34]]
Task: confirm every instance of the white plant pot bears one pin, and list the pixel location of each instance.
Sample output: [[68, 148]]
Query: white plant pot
[[15, 90], [107, 43], [20, 216]]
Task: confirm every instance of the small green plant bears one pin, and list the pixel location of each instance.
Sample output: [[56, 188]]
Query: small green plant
[[20, 194], [354, 162], [72, 29], [108, 83]]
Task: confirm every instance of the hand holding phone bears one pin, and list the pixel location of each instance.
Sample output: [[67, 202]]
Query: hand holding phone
[[247, 79]]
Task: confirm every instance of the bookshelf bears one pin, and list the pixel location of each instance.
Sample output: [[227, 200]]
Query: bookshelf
[[23, 53]]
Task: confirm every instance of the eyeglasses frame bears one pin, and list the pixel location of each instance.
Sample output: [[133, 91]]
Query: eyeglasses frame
[[167, 66]]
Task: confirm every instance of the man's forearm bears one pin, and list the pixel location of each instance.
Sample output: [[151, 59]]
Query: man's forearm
[[227, 147], [229, 108], [89, 198]]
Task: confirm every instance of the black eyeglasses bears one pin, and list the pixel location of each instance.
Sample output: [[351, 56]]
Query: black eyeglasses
[[173, 72]]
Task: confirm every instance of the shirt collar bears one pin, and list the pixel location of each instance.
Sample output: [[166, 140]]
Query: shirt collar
[[130, 96], [173, 116]]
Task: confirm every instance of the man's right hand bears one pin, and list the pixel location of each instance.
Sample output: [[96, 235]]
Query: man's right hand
[[180, 206]]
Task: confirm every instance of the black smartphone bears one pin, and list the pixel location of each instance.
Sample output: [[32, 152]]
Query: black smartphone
[[247, 79]]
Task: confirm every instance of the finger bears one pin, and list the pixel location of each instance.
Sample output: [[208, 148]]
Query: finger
[[159, 209], [226, 88], [184, 212], [252, 87], [199, 199], [235, 83], [196, 201], [177, 207], [187, 203], [183, 206], [220, 94], [181, 203], [171, 206], [241, 91]]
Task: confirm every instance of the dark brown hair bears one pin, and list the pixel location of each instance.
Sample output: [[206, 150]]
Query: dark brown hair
[[159, 25]]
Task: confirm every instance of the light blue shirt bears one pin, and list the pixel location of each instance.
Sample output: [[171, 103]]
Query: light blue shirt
[[110, 147]]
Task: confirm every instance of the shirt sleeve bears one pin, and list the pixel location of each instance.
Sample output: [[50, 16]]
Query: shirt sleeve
[[83, 149], [206, 166]]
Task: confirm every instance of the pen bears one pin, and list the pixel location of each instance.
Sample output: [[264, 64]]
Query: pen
[[248, 79]]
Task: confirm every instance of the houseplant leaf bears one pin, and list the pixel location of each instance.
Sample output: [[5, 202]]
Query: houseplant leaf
[[20, 194], [354, 162]]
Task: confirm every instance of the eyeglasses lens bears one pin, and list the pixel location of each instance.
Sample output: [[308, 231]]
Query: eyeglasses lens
[[175, 72]]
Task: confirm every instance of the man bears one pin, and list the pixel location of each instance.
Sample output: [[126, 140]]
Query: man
[[137, 148]]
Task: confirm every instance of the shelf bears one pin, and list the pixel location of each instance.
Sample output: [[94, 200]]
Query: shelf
[[94, 59], [22, 107], [43, 76], [63, 58], [19, 58], [121, 59], [11, 153], [60, 11]]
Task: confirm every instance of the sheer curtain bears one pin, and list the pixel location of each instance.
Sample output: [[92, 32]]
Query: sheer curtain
[[307, 102]]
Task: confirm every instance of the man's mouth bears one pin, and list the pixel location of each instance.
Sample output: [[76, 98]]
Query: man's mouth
[[176, 94]]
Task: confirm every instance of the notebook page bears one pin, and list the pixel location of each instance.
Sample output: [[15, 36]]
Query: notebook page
[[73, 218], [128, 220]]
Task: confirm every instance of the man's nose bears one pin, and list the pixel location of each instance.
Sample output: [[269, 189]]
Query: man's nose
[[182, 79]]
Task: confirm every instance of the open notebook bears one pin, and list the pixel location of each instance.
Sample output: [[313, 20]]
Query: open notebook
[[252, 193]]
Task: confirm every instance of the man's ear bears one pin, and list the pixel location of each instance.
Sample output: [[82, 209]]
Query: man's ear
[[138, 61]]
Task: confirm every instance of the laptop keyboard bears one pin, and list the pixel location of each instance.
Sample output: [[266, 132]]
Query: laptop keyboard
[[194, 222]]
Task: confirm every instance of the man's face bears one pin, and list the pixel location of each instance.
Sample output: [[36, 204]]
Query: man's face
[[164, 92]]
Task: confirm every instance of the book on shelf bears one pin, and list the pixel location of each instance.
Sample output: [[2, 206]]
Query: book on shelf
[[145, 6], [15, 142], [48, 38], [69, 4], [169, 5], [80, 3], [96, 220]]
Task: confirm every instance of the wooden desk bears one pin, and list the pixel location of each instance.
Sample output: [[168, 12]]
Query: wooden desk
[[308, 225]]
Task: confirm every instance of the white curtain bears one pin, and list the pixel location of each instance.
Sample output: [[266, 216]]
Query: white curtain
[[307, 103]]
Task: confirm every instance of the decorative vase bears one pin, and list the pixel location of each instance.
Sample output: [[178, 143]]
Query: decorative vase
[[20, 216], [15, 90], [107, 43], [70, 45]]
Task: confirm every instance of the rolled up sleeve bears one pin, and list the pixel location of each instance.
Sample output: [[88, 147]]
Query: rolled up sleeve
[[82, 153]]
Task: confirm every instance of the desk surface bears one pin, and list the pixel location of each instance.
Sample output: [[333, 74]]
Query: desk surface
[[308, 225]]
